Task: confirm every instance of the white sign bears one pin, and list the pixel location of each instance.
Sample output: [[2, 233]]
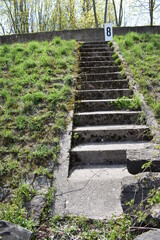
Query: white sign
[[108, 32]]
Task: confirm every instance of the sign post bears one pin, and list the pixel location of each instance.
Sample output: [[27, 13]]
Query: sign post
[[108, 32]]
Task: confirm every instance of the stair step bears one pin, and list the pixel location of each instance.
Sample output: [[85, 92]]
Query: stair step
[[137, 158], [96, 63], [102, 93], [103, 153], [107, 118], [100, 76], [101, 69], [96, 105], [96, 54], [95, 44], [102, 48], [96, 58], [108, 84], [118, 133]]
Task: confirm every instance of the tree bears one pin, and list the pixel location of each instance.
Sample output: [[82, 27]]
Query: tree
[[105, 11], [95, 13], [148, 6], [118, 18]]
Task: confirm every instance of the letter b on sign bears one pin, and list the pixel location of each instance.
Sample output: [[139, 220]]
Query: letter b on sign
[[108, 32]]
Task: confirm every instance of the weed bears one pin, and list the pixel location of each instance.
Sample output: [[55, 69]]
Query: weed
[[126, 103]]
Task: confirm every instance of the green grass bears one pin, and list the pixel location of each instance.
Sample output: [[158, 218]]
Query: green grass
[[142, 53], [35, 94]]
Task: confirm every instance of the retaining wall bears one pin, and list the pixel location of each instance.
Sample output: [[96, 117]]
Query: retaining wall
[[86, 35]]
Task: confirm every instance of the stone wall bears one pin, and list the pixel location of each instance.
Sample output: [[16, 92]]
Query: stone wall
[[86, 35]]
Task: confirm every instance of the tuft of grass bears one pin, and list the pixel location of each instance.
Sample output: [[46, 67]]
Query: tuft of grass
[[126, 103]]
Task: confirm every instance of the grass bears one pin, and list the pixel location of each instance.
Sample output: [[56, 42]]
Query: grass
[[142, 53], [35, 94]]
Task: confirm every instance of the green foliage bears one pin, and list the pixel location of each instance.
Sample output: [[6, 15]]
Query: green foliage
[[141, 52], [15, 212], [127, 103]]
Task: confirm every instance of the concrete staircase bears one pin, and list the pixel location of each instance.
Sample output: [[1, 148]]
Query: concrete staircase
[[102, 138], [102, 134]]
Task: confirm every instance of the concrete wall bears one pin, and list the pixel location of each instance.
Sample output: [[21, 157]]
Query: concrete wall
[[86, 35]]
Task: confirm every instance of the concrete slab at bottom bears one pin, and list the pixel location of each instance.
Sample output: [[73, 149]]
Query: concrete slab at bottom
[[93, 192]]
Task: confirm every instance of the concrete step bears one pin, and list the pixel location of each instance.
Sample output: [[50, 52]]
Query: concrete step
[[97, 63], [100, 76], [96, 44], [100, 69], [99, 48], [96, 105], [136, 159], [96, 58], [103, 153], [108, 118], [102, 94], [108, 84], [96, 54], [112, 133]]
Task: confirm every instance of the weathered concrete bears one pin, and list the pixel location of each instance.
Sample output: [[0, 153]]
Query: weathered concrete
[[99, 69], [103, 153], [96, 63], [108, 84], [77, 194], [150, 235], [96, 162], [119, 133], [86, 35], [136, 159], [107, 118], [100, 76], [96, 105], [102, 94]]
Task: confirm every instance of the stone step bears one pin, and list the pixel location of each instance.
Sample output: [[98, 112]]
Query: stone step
[[96, 54], [102, 94], [112, 133], [94, 44], [96, 58], [108, 118], [100, 69], [97, 63], [136, 159], [99, 48], [108, 84], [100, 76], [103, 153], [96, 105]]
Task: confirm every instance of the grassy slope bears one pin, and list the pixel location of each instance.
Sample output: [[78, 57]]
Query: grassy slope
[[142, 53], [35, 85], [35, 93]]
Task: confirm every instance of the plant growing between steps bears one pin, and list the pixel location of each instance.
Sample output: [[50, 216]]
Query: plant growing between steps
[[133, 103]]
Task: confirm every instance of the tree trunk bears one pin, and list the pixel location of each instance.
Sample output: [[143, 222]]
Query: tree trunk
[[105, 12], [151, 8], [115, 12], [95, 14]]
